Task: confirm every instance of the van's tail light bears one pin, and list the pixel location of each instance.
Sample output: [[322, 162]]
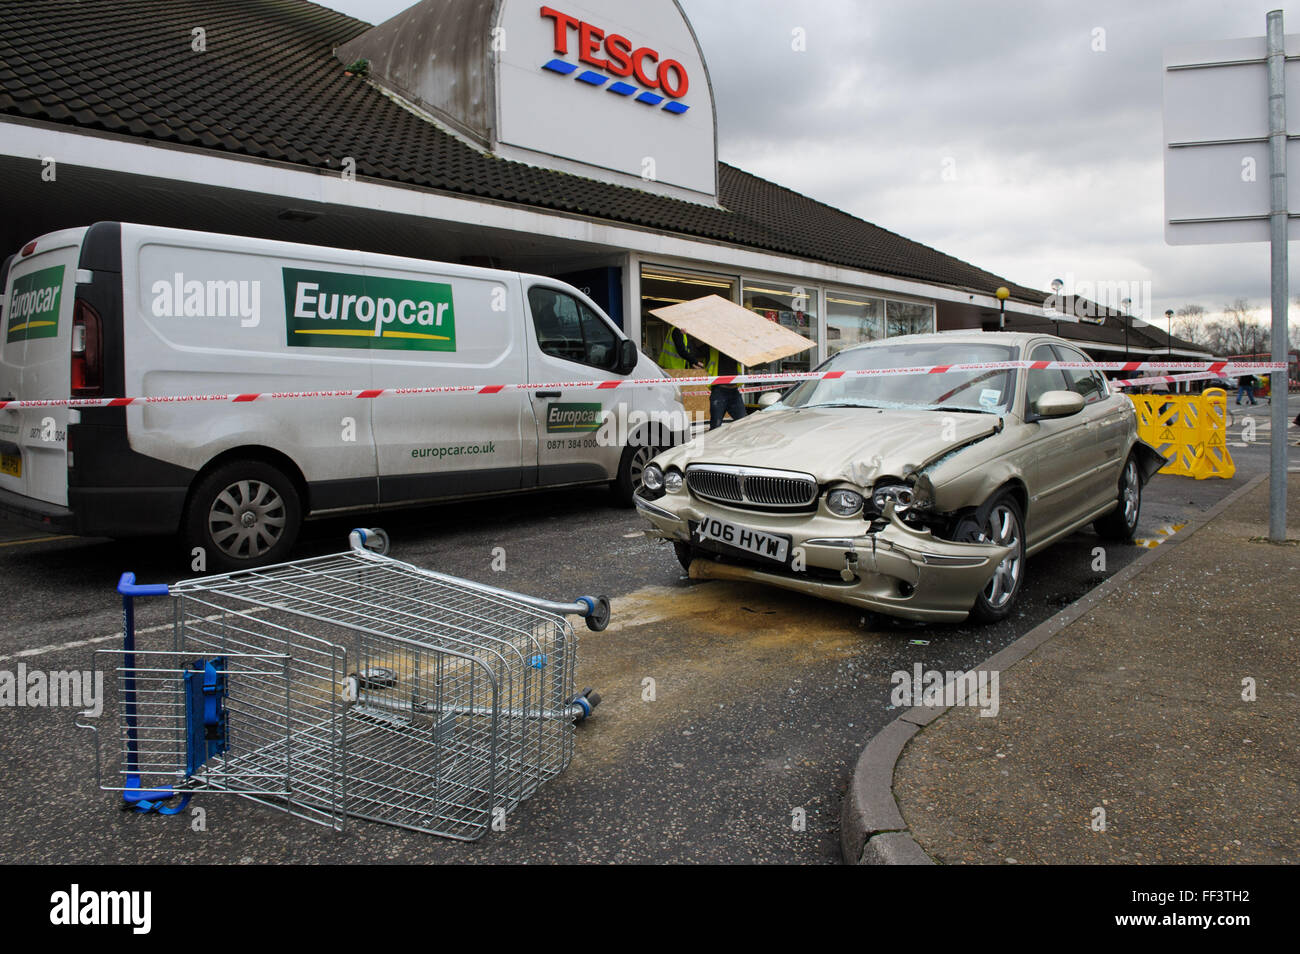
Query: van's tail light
[[87, 352]]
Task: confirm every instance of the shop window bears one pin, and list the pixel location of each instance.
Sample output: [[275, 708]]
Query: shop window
[[909, 318], [661, 287], [852, 319], [791, 306], [568, 329]]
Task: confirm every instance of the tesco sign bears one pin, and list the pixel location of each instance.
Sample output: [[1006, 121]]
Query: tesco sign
[[618, 55]]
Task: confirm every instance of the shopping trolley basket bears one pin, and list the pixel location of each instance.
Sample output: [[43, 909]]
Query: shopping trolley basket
[[351, 685]]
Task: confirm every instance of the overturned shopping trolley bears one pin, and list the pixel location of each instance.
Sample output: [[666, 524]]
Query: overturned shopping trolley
[[351, 685]]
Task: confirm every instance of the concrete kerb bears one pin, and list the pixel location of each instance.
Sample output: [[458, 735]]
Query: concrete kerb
[[872, 829]]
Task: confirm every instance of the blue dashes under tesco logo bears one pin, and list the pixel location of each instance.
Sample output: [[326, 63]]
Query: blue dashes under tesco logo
[[608, 60]]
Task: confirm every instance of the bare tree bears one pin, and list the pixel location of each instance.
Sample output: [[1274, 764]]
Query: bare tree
[[1189, 324], [1239, 331]]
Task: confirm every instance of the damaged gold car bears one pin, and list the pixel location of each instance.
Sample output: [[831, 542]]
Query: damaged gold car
[[913, 495]]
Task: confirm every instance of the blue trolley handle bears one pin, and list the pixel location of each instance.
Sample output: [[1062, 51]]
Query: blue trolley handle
[[134, 796]]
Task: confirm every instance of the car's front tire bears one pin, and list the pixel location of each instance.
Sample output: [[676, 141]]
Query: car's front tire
[[1121, 523], [1003, 523]]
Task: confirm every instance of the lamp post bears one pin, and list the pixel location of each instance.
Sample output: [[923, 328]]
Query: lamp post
[[1169, 338], [1124, 304], [1057, 285]]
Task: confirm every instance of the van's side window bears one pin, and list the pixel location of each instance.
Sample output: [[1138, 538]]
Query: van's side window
[[567, 328]]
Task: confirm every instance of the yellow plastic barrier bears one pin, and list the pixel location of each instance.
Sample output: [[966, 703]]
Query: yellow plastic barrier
[[1190, 430]]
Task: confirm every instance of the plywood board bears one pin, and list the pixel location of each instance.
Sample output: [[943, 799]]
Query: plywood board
[[749, 338], [695, 397]]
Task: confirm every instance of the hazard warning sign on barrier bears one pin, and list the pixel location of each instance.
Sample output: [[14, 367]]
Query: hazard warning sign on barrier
[[1189, 430]]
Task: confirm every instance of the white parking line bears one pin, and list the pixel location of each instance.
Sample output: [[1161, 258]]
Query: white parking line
[[77, 643], [96, 640]]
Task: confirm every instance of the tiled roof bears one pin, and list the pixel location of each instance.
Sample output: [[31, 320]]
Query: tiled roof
[[269, 86], [1108, 335]]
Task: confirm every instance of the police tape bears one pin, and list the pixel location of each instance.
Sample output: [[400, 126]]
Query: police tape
[[1195, 370]]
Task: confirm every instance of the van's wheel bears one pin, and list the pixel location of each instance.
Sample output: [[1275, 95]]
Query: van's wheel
[[245, 513], [1121, 523], [630, 466], [999, 521]]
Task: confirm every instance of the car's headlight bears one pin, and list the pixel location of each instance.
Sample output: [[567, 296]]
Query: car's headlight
[[653, 478], [673, 481], [844, 503], [902, 495]]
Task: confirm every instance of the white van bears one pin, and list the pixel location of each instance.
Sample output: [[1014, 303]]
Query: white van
[[119, 310]]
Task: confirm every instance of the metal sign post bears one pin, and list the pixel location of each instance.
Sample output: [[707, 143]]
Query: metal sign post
[[1225, 117], [1277, 221]]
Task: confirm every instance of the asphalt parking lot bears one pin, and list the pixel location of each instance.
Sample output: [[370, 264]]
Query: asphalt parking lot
[[762, 700]]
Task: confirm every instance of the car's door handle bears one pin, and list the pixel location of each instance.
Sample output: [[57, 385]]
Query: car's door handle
[[548, 394]]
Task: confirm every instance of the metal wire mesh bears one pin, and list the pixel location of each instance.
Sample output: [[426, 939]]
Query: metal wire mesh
[[362, 686]]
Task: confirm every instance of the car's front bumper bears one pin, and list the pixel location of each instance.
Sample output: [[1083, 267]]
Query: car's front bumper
[[899, 571]]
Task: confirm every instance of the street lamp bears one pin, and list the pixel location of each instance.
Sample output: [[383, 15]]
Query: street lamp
[[1057, 285], [1124, 305], [1169, 339]]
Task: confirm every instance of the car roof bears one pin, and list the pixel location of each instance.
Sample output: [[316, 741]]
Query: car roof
[[965, 336]]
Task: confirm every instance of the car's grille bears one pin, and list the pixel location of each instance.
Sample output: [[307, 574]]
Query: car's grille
[[752, 487]]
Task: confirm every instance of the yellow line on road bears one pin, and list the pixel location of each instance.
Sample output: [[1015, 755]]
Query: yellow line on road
[[19, 543]]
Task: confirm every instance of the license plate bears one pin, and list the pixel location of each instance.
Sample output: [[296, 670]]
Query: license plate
[[11, 464], [766, 545]]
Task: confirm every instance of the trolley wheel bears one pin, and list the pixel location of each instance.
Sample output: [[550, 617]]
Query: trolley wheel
[[245, 513], [598, 618]]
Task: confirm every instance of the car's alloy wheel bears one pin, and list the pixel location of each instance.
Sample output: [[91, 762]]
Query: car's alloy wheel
[[1004, 526], [1121, 523], [1004, 530]]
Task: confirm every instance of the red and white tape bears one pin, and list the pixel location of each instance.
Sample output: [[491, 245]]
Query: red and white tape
[[1196, 370]]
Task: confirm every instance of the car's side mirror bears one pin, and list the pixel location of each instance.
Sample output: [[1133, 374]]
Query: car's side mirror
[[1058, 404], [768, 398], [627, 356]]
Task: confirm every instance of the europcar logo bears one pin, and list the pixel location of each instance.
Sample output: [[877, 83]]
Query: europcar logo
[[661, 81], [339, 310], [34, 305], [573, 418]]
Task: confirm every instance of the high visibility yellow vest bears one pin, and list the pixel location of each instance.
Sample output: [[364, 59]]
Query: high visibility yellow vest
[[711, 368], [668, 356]]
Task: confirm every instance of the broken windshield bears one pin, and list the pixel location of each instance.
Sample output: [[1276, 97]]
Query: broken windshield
[[987, 391]]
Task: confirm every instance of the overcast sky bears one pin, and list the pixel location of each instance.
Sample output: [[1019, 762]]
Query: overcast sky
[[1044, 115]]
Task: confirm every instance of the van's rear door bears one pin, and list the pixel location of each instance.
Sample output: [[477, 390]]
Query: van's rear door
[[35, 364]]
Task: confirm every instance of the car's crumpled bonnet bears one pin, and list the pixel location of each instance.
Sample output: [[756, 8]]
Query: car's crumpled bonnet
[[859, 445]]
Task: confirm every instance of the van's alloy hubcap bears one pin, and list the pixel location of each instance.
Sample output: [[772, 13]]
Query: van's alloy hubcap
[[246, 519], [640, 457]]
